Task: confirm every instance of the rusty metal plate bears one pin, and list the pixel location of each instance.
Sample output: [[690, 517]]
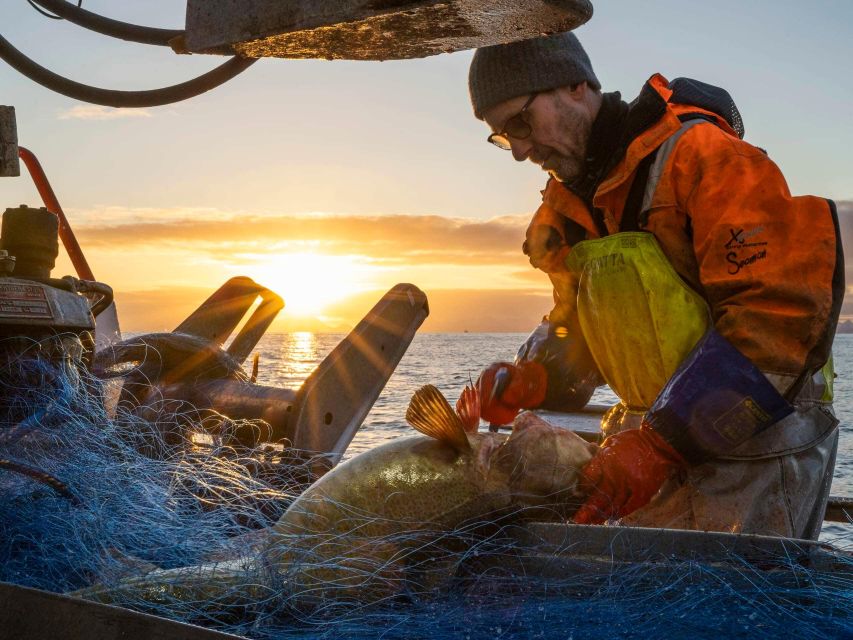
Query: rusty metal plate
[[371, 29], [9, 164], [23, 301]]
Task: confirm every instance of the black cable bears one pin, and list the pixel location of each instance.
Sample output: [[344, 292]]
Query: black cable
[[103, 291], [50, 15], [43, 12], [122, 99], [108, 26]]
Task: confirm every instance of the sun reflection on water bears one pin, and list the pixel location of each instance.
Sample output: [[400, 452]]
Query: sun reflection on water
[[301, 353]]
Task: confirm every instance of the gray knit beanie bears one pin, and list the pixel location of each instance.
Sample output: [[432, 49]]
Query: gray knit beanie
[[506, 71]]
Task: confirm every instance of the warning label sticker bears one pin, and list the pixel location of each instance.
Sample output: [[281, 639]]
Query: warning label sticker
[[23, 301]]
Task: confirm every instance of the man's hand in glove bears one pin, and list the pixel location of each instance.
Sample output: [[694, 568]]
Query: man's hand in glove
[[503, 389], [625, 474]]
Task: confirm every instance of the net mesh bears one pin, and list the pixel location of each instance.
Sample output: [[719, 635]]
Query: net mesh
[[180, 534]]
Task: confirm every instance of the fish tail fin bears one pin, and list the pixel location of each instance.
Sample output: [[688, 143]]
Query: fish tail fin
[[223, 584], [430, 413]]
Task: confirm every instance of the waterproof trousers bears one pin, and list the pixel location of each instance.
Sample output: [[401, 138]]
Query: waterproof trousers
[[775, 484]]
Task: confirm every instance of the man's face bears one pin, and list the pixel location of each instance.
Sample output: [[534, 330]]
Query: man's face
[[560, 122]]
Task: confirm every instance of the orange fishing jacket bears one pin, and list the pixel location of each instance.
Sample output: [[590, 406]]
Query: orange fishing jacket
[[769, 264]]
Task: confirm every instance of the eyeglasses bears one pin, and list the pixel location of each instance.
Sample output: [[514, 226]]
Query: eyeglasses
[[516, 127]]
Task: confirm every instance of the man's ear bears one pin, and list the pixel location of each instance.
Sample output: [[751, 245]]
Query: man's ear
[[572, 93], [579, 91]]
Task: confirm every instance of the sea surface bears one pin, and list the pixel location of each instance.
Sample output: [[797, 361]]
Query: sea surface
[[448, 361]]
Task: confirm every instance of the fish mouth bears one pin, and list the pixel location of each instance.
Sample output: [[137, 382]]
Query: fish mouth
[[541, 461], [488, 448]]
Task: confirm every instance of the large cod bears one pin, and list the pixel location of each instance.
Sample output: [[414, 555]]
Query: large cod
[[388, 521]]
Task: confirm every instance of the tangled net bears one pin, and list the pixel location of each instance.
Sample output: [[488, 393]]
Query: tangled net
[[83, 501]]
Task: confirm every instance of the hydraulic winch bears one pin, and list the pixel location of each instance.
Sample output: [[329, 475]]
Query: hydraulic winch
[[46, 323]]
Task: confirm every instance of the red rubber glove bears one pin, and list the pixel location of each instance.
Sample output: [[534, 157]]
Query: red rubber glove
[[504, 389], [625, 474]]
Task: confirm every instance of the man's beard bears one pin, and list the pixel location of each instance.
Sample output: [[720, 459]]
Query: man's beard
[[565, 168], [576, 130]]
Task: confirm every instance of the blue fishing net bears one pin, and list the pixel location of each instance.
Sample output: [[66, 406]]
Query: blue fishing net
[[82, 498], [144, 508]]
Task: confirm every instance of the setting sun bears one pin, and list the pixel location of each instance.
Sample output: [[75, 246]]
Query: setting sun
[[309, 282]]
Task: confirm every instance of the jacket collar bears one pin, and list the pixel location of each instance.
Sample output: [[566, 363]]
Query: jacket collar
[[649, 122], [606, 144]]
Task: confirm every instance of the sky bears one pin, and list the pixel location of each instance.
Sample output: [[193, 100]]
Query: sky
[[329, 182]]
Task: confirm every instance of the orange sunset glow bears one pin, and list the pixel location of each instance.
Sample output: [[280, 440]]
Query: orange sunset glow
[[311, 282], [330, 269], [329, 182]]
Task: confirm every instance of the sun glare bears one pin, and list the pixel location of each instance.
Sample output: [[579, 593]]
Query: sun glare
[[310, 282]]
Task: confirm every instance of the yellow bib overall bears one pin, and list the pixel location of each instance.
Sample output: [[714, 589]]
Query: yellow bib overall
[[639, 319]]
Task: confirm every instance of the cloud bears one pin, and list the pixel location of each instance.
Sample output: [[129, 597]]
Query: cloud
[[115, 216], [95, 112], [422, 249], [390, 239]]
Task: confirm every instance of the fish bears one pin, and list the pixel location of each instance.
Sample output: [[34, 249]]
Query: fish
[[383, 523]]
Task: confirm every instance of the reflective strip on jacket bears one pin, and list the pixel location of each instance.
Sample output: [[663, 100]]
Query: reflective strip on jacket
[[766, 262]]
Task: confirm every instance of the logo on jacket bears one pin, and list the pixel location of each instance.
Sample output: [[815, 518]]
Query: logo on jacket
[[743, 248]]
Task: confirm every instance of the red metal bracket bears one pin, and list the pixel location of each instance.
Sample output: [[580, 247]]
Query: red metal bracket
[[69, 241]]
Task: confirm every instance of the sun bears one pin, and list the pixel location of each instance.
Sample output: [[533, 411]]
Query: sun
[[311, 282]]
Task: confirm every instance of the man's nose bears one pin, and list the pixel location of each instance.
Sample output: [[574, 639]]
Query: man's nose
[[520, 149]]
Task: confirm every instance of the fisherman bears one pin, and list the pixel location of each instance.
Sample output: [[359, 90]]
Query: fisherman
[[689, 278]]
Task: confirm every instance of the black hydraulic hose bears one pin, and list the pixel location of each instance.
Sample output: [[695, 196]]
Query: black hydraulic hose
[[108, 26], [113, 98], [42, 11], [42, 476], [104, 291]]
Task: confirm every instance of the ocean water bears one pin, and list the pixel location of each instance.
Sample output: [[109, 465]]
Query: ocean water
[[449, 360]]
